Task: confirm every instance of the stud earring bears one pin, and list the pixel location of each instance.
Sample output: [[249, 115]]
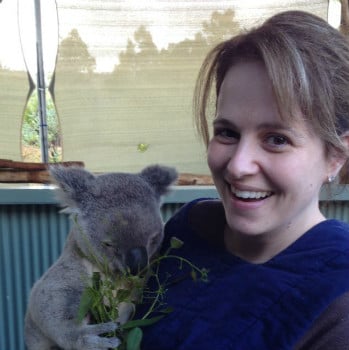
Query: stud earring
[[331, 178]]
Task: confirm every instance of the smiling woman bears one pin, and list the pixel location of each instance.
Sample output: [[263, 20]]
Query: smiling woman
[[278, 269]]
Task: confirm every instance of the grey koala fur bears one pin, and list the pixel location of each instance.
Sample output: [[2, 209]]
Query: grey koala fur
[[119, 216]]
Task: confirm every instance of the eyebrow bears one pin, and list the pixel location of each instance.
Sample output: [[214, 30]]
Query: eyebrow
[[220, 120]]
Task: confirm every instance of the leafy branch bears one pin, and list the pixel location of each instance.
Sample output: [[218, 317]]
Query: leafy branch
[[109, 297]]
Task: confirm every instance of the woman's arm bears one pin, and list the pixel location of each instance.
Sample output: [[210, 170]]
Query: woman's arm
[[331, 329]]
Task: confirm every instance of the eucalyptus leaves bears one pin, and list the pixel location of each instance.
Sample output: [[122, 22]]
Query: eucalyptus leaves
[[114, 298]]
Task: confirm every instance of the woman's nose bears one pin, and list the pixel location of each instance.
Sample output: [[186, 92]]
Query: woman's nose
[[244, 160]]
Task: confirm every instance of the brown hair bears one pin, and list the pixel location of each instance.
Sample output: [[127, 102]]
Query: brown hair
[[307, 62]]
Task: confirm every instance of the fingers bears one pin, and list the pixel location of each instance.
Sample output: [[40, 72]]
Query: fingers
[[100, 328], [91, 339], [94, 342]]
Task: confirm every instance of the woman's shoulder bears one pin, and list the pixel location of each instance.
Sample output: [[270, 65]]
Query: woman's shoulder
[[336, 225], [330, 236], [333, 233]]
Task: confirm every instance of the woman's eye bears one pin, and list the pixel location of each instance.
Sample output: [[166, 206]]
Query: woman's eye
[[226, 133], [277, 140]]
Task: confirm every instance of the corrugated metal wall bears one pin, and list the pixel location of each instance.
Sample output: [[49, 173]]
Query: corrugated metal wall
[[31, 238]]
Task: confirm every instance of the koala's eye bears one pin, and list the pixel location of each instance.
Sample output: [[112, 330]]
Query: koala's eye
[[107, 244], [110, 247]]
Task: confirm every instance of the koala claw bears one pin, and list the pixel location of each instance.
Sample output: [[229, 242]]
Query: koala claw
[[93, 342], [91, 339], [101, 328]]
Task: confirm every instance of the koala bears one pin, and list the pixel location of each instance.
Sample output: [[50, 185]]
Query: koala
[[117, 215]]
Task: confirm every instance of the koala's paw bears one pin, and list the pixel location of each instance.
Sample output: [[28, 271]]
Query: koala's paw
[[91, 339], [125, 310]]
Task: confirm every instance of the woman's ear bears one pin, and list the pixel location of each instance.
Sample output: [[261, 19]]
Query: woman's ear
[[339, 161]]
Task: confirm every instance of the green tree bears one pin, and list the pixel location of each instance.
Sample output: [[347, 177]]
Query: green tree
[[221, 26], [139, 57], [31, 129], [74, 54]]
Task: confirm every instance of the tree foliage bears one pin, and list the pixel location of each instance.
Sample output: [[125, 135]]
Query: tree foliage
[[141, 64], [31, 127], [74, 54]]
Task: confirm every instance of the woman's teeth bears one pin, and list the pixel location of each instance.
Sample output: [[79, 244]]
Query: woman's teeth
[[250, 194]]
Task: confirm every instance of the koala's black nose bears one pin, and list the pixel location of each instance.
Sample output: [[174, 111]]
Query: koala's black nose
[[136, 259]]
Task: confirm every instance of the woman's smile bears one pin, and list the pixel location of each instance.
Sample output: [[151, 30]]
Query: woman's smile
[[249, 194], [248, 202]]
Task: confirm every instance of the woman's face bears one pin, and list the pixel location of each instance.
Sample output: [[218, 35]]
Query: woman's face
[[267, 172]]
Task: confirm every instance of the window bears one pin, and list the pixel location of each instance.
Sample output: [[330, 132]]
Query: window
[[122, 81]]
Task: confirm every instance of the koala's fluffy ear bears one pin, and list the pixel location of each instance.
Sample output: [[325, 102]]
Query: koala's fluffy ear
[[74, 184], [159, 177]]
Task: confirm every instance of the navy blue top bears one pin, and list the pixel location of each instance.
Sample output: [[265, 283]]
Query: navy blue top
[[248, 306]]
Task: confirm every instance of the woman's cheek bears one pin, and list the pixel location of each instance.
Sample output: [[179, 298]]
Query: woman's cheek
[[215, 156]]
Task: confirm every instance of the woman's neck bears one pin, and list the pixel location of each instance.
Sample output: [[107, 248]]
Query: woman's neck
[[258, 249]]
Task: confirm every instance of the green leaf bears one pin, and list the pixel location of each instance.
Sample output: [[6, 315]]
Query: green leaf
[[141, 322], [134, 338], [86, 302], [123, 294], [176, 243], [142, 147], [96, 279], [167, 310]]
